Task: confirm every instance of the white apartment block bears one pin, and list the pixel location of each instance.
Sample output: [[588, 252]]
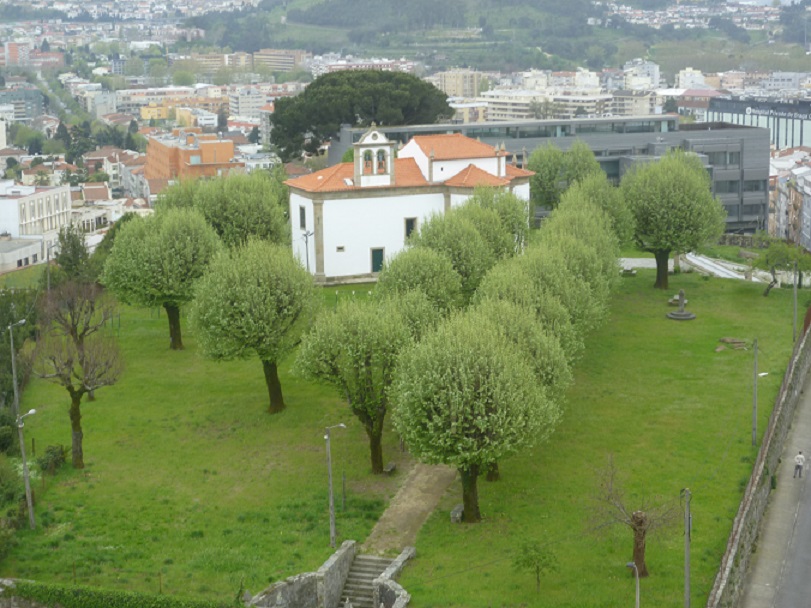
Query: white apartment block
[[688, 78]]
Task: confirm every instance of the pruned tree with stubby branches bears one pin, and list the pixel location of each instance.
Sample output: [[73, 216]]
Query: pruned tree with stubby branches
[[611, 507], [74, 351]]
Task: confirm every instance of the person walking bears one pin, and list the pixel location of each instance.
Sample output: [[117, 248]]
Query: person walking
[[799, 463]]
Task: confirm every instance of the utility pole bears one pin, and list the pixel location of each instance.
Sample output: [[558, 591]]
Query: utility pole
[[329, 475], [794, 329], [688, 526], [754, 398]]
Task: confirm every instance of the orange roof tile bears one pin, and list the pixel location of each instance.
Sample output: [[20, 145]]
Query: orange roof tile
[[453, 146], [341, 177], [471, 176], [513, 171]]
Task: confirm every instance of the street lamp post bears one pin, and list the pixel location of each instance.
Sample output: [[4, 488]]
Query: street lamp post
[[755, 376], [636, 576], [307, 236], [16, 403], [28, 500], [329, 475]]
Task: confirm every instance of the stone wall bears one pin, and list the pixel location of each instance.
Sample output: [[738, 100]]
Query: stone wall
[[15, 602], [388, 593], [332, 575], [745, 528], [320, 589]]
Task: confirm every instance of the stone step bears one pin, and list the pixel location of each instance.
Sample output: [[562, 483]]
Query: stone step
[[357, 602]]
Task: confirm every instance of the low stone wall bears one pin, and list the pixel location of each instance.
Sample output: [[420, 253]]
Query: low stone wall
[[387, 592], [320, 589], [738, 240], [332, 575], [745, 528]]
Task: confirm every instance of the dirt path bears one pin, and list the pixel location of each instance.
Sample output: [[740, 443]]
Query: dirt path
[[409, 509]]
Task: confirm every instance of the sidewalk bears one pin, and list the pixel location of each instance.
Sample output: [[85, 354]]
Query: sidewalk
[[778, 575]]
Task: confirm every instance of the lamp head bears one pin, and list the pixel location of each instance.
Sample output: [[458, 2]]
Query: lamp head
[[341, 425], [31, 411], [631, 565]]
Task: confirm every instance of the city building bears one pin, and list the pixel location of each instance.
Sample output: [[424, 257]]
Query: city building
[[737, 157], [28, 102], [460, 83], [280, 60], [393, 192], [188, 153]]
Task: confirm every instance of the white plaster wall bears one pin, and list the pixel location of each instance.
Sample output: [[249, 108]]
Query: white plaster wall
[[412, 150], [10, 217], [299, 242], [522, 191], [446, 169], [359, 225], [459, 199]]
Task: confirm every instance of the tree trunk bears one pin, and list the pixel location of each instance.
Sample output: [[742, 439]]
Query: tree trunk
[[639, 524], [662, 259], [75, 413], [493, 472], [274, 387], [175, 339], [470, 494], [376, 447], [772, 284]]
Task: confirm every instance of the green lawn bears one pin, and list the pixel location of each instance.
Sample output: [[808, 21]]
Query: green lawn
[[673, 413], [189, 477], [192, 488]]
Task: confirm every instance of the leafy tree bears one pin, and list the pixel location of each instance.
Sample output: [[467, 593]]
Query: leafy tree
[[63, 135], [595, 189], [352, 97], [465, 397], [355, 349], [426, 270], [71, 257], [513, 212], [555, 171], [133, 127], [255, 299], [45, 47], [458, 239], [103, 249], [156, 261], [16, 304], [74, 352], [534, 557], [253, 136], [487, 223], [781, 256], [510, 281], [238, 207], [673, 207]]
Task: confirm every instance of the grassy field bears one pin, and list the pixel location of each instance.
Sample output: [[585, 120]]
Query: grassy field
[[673, 412], [192, 489]]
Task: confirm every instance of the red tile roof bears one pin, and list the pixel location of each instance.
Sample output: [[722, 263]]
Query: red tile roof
[[471, 176], [453, 146], [341, 177], [513, 171]]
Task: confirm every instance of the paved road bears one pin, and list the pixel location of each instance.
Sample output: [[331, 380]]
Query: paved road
[[780, 573]]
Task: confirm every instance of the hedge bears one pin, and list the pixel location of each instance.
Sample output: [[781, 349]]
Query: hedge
[[89, 597]]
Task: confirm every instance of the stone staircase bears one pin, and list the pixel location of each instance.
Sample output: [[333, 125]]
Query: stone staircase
[[358, 589]]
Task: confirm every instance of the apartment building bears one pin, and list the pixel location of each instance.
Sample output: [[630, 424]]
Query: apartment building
[[459, 83], [188, 153], [28, 102], [130, 101], [280, 60], [33, 213]]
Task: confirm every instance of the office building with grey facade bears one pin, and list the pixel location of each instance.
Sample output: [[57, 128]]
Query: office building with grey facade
[[736, 156]]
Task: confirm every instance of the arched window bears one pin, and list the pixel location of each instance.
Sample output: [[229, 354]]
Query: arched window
[[381, 161], [367, 162]]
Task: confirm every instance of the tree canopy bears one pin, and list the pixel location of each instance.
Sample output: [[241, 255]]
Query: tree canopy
[[255, 299], [156, 260], [355, 349], [238, 207], [556, 170], [466, 397], [426, 270], [354, 97], [673, 207]]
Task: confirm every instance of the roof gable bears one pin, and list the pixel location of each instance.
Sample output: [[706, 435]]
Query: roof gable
[[453, 147]]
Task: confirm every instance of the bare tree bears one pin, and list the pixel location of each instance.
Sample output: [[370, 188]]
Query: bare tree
[[612, 508], [74, 352]]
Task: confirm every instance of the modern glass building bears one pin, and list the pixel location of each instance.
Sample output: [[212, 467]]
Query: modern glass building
[[736, 156]]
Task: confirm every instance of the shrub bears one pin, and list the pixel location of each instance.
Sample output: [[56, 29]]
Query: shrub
[[6, 439], [85, 597], [52, 460]]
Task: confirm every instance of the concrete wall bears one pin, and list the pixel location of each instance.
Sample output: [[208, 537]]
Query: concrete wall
[[388, 593], [320, 589], [745, 528]]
